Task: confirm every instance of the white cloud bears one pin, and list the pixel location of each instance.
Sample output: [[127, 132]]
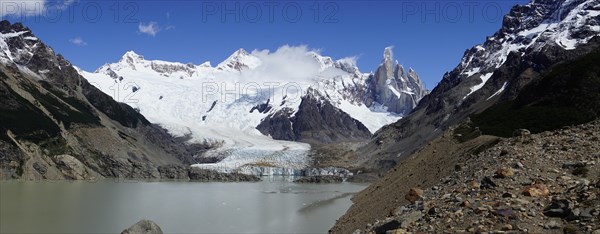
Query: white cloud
[[151, 28], [287, 63], [22, 7], [78, 41], [290, 70]]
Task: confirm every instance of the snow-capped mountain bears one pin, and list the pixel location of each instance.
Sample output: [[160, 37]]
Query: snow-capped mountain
[[511, 66], [238, 61], [55, 125], [565, 23], [251, 101]]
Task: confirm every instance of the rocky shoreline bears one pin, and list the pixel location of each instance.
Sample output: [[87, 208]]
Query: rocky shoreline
[[77, 171]]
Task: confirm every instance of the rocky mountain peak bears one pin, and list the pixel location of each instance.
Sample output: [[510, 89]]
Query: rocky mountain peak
[[17, 43], [132, 55], [388, 55], [6, 26], [238, 61], [566, 23], [130, 58], [391, 87], [241, 52], [324, 61], [348, 65]]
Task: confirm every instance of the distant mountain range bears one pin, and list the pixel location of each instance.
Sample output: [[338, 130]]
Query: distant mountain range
[[247, 110], [292, 94], [372, 99]]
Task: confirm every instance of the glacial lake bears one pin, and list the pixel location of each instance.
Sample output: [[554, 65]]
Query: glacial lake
[[274, 205]]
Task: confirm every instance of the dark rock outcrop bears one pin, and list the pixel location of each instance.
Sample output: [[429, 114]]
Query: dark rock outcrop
[[319, 179], [316, 121], [203, 175]]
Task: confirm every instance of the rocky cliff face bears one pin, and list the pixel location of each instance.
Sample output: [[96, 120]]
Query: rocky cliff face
[[524, 53], [55, 125], [394, 88]]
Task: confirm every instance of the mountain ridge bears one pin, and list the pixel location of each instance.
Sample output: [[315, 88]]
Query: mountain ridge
[[488, 74], [55, 125], [507, 85]]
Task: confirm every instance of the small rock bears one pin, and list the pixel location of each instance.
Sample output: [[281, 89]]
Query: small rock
[[414, 194], [504, 173], [576, 212], [526, 182], [586, 214], [584, 182], [505, 212], [506, 227], [521, 132], [487, 183], [536, 190], [552, 225], [519, 165], [391, 225], [474, 184], [410, 218], [573, 165], [521, 201], [419, 205], [508, 195], [532, 213], [433, 211], [558, 208]]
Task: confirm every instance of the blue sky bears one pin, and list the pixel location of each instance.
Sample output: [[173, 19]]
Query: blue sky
[[429, 36]]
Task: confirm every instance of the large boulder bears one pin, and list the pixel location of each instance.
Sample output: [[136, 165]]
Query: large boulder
[[144, 226]]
